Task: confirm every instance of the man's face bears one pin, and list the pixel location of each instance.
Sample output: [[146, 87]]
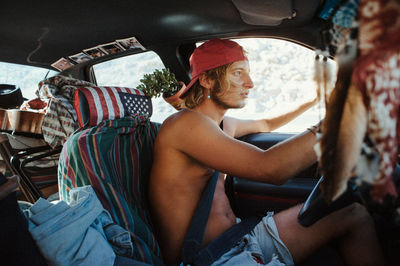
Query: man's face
[[237, 90]]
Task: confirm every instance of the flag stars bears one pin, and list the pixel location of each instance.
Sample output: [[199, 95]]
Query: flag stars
[[135, 104]]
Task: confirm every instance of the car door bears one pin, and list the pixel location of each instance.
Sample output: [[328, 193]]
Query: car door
[[250, 197]]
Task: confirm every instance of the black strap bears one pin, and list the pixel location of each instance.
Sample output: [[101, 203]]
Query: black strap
[[192, 254], [194, 236]]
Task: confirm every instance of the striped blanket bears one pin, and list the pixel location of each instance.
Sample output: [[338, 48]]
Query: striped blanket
[[115, 158], [60, 119]]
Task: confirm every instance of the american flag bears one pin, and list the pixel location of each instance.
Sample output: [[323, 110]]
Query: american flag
[[136, 104], [110, 103]]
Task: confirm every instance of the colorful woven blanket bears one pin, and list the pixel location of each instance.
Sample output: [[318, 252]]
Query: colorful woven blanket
[[115, 158]]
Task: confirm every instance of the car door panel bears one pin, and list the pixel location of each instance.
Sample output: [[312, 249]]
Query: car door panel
[[249, 197]]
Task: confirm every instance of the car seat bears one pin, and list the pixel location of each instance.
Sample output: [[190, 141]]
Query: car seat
[[113, 152]]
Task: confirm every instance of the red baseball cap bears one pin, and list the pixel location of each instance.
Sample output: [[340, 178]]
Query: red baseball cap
[[211, 54]]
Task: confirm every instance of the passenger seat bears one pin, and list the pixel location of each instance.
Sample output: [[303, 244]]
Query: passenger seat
[[113, 152]]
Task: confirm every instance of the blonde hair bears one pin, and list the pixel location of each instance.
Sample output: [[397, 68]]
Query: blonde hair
[[196, 96]]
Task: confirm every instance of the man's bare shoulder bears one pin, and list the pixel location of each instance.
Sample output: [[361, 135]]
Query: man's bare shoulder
[[185, 130], [183, 121]]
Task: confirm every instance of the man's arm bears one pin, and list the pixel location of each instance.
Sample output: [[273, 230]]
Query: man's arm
[[238, 127], [202, 140]]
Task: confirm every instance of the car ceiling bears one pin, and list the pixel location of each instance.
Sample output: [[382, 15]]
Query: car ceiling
[[40, 32]]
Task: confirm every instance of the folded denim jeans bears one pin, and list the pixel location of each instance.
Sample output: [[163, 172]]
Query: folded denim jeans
[[73, 234]]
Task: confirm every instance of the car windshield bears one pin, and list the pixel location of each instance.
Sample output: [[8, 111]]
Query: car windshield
[[24, 77]]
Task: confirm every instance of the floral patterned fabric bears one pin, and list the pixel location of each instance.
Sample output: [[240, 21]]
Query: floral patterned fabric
[[377, 75]]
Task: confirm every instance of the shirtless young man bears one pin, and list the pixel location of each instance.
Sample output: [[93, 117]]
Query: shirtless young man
[[190, 145]]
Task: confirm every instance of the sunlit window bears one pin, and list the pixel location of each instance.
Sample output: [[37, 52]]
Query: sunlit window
[[282, 74], [128, 71], [24, 77]]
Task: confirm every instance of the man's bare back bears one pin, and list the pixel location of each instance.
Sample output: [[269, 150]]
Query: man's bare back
[[176, 188]]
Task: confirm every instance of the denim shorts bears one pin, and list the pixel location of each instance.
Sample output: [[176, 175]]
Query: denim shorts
[[262, 246]]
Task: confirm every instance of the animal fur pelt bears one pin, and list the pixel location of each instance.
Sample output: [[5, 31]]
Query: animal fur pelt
[[343, 130]]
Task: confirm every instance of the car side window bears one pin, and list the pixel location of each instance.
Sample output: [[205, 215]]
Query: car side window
[[24, 77], [282, 74], [128, 71]]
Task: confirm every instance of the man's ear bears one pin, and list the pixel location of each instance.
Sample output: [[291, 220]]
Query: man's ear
[[206, 82]]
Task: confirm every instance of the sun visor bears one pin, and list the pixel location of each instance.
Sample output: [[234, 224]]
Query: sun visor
[[264, 12]]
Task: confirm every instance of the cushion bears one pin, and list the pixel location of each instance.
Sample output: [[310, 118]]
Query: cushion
[[115, 158], [95, 104]]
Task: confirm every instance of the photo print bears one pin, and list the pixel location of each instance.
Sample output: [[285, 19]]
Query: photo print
[[80, 57], [130, 43], [62, 64], [111, 48], [94, 52]]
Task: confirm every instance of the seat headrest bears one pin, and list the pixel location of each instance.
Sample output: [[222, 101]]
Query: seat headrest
[[96, 104]]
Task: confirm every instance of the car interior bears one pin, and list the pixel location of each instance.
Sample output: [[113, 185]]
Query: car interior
[[76, 42]]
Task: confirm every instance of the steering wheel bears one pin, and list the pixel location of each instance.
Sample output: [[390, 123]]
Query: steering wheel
[[316, 207]]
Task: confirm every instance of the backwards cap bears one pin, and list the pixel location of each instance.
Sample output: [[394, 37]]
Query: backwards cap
[[211, 54]]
